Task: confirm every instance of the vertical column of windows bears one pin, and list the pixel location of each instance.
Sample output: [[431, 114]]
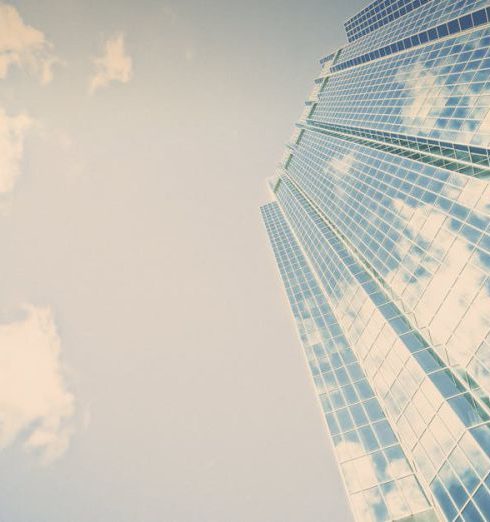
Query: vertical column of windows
[[379, 479]]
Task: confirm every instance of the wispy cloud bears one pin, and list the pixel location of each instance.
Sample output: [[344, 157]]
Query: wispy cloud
[[12, 133], [34, 400], [115, 65], [24, 46]]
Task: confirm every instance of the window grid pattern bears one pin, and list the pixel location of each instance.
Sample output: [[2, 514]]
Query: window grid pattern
[[425, 17], [377, 473], [384, 197], [465, 159], [426, 395], [377, 15], [463, 23], [424, 245], [440, 91]]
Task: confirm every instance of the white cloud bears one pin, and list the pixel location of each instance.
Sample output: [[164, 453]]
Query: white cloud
[[341, 166], [449, 299], [422, 83], [12, 132], [24, 46], [426, 103], [115, 65], [34, 401], [338, 168]]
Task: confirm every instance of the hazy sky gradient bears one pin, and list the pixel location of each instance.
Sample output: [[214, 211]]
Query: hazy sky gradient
[[134, 220]]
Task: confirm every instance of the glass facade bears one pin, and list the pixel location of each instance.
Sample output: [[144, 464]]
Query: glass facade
[[380, 226]]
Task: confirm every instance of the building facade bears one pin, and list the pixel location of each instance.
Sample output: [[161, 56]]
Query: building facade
[[380, 226]]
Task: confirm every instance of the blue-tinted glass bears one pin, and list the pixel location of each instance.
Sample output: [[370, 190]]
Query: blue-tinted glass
[[471, 514], [384, 432], [465, 22], [444, 501], [482, 499], [446, 383], [482, 435], [479, 17], [368, 439], [373, 410], [382, 218], [468, 410], [359, 415], [453, 26]]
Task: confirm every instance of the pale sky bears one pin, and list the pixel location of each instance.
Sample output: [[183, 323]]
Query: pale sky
[[149, 366]]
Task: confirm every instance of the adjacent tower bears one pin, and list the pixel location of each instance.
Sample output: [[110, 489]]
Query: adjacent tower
[[380, 225]]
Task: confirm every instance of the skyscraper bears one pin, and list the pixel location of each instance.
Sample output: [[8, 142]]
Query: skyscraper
[[380, 225]]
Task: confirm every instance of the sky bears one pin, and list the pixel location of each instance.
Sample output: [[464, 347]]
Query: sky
[[149, 365]]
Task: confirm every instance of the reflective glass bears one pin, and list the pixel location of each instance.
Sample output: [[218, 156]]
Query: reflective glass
[[380, 226]]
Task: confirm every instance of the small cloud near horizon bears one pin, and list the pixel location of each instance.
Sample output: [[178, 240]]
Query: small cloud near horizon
[[115, 65]]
